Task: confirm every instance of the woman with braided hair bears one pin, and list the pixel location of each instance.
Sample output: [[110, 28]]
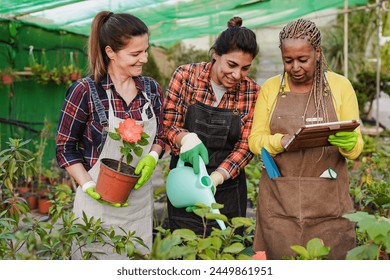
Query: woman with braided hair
[[300, 205]]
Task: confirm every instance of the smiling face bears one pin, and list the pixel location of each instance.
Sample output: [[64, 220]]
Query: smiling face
[[129, 60], [299, 60], [228, 69]]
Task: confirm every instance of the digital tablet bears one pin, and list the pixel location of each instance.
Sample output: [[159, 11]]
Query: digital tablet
[[316, 135]]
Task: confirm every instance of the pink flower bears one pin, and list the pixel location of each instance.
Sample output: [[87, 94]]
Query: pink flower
[[130, 131]]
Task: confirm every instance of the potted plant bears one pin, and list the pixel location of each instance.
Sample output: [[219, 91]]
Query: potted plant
[[116, 178], [8, 76], [16, 162]]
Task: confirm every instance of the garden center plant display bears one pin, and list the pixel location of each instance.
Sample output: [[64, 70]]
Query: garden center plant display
[[50, 237]]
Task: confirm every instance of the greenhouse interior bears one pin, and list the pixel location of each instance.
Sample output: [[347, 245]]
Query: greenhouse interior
[[44, 56]]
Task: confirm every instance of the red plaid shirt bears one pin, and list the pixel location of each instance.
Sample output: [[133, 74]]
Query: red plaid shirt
[[178, 96], [79, 133]]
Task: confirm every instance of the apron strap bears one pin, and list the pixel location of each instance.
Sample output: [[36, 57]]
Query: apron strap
[[195, 84], [99, 108], [147, 89]]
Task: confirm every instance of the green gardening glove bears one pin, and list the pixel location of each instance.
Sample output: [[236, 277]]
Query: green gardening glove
[[116, 205], [344, 140], [89, 188], [146, 167], [191, 148]]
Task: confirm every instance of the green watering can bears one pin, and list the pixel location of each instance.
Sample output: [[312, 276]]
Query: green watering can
[[185, 188]]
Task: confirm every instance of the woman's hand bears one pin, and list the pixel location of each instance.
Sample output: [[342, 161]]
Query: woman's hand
[[285, 139], [344, 140], [191, 148], [145, 166]]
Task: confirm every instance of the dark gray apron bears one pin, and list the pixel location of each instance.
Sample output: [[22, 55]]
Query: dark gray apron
[[219, 129], [299, 205]]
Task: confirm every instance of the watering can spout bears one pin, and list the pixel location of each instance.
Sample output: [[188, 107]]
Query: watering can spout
[[185, 188]]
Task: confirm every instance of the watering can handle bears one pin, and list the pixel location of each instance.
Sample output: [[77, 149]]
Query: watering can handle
[[202, 166], [204, 179]]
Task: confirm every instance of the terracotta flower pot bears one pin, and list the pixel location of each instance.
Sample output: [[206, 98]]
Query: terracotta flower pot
[[23, 189], [32, 201], [7, 79], [44, 205], [114, 186], [31, 198]]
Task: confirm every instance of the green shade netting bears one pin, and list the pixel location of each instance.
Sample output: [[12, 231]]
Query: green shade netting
[[169, 20]]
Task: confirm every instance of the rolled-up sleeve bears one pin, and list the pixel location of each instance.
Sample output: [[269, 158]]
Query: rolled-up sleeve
[[174, 109], [71, 125]]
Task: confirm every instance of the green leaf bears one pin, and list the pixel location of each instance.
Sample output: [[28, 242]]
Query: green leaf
[[212, 216], [216, 241], [301, 251], [241, 221], [201, 212], [378, 230], [203, 244], [316, 248], [201, 205], [129, 158], [144, 135], [204, 257], [143, 142], [216, 206], [168, 243], [130, 248], [114, 136], [227, 257], [184, 233], [234, 248], [138, 151], [364, 252]]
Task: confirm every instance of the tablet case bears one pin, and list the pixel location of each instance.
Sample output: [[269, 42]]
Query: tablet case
[[316, 135], [269, 163]]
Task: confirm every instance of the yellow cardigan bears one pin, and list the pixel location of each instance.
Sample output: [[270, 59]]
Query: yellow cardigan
[[344, 101]]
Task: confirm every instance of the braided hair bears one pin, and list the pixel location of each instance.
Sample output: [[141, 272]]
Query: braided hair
[[306, 29]]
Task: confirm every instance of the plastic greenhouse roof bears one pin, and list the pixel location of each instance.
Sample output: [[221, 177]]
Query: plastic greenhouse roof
[[169, 20]]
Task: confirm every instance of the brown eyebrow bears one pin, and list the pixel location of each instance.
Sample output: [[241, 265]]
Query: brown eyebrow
[[235, 63]]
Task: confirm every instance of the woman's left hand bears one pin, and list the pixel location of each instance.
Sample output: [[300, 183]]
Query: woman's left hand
[[344, 140]]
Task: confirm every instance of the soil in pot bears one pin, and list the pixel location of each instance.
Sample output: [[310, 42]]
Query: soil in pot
[[114, 186]]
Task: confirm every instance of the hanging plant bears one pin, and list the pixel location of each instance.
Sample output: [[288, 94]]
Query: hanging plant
[[39, 71], [71, 72]]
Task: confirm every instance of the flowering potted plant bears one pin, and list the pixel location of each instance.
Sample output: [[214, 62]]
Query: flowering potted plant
[[116, 178], [8, 76]]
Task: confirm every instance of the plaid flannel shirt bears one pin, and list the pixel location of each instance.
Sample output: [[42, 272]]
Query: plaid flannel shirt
[[178, 96], [79, 132]]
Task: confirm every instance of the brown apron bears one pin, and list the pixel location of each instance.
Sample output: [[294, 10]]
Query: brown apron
[[299, 205]]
